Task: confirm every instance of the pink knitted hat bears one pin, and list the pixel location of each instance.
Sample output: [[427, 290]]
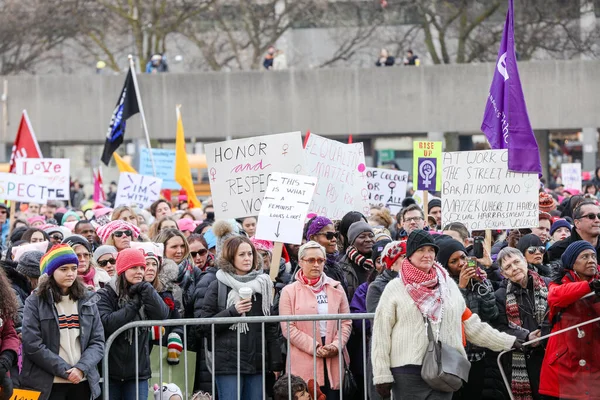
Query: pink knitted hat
[[104, 232]]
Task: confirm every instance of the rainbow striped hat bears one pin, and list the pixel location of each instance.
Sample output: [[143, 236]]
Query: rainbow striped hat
[[56, 257]]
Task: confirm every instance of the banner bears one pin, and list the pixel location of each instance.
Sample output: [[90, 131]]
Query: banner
[[142, 190], [479, 191], [427, 160], [164, 159], [341, 171], [571, 176], [26, 145], [56, 172], [27, 188], [387, 188], [239, 170]]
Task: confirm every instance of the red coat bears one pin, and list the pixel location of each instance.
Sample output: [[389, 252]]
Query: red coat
[[8, 337], [572, 361]]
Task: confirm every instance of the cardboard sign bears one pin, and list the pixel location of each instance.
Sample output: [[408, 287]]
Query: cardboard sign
[[341, 171], [387, 188], [418, 196], [138, 189], [164, 160], [26, 188], [479, 191], [55, 170], [427, 160], [239, 170], [284, 207], [20, 394], [571, 176]]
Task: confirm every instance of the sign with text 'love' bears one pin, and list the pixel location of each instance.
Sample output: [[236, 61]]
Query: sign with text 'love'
[[56, 173], [387, 188], [239, 170], [138, 189], [284, 207]]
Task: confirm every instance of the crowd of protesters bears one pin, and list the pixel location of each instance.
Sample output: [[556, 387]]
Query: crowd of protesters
[[71, 278]]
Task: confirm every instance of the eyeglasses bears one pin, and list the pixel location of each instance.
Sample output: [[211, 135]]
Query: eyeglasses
[[121, 233], [591, 217], [414, 219], [200, 253], [104, 263], [534, 249], [83, 255], [58, 238], [313, 260], [330, 235]]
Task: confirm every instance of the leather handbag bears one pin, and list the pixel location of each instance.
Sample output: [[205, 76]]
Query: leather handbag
[[349, 387], [444, 368]]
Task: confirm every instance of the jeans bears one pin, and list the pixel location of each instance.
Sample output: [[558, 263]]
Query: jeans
[[126, 390], [251, 387]]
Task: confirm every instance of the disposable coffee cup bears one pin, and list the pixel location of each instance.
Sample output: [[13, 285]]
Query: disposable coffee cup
[[246, 293]]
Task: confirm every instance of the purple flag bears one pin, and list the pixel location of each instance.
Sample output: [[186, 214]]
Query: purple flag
[[505, 121]]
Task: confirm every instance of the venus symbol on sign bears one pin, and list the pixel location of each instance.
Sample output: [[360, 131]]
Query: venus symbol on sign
[[224, 206], [298, 168], [392, 185], [427, 170], [213, 172], [365, 194], [285, 149]]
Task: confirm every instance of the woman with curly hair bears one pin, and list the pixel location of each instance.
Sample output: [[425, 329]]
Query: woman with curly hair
[[9, 341]]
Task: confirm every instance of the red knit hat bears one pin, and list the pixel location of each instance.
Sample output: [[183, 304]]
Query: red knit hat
[[129, 258]]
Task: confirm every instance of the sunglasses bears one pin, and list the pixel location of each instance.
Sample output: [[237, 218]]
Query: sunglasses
[[534, 249], [121, 233], [330, 235], [104, 263], [591, 217], [313, 260], [58, 238], [198, 253]]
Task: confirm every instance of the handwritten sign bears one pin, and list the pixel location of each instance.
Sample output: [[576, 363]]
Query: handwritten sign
[[20, 394], [387, 188], [427, 160], [164, 160], [284, 207], [419, 195], [571, 175], [26, 188], [56, 172], [138, 189], [479, 191], [341, 171]]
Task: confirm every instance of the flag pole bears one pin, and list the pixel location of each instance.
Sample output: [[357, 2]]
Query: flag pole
[[141, 107], [4, 121]]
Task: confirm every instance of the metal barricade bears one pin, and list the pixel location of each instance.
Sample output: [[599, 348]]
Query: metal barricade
[[289, 320]]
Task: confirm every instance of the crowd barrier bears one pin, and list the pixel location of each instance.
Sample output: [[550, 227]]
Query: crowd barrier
[[185, 322]]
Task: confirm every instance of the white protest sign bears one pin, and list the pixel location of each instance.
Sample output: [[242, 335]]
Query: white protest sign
[[239, 170], [479, 191], [418, 196], [26, 188], [387, 188], [341, 171], [571, 175], [138, 189], [284, 207], [56, 173]]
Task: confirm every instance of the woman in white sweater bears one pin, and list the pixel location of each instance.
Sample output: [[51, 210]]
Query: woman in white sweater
[[423, 289]]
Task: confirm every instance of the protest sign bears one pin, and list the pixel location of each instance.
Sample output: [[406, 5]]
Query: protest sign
[[341, 172], [571, 175], [479, 191], [427, 160], [387, 188], [138, 189], [239, 170], [22, 394], [164, 160], [419, 197], [284, 207], [27, 188], [56, 173]]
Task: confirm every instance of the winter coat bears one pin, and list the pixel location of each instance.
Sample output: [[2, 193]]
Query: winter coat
[[8, 337], [355, 343], [121, 360], [41, 344], [203, 377], [299, 299], [376, 288], [572, 360], [225, 349], [556, 251], [355, 275], [542, 270]]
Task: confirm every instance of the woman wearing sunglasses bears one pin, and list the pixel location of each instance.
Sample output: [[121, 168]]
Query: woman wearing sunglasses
[[199, 252], [119, 234], [105, 256], [533, 250]]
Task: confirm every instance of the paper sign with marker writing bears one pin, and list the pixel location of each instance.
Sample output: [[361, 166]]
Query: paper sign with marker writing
[[239, 170], [138, 189], [387, 188], [479, 191], [427, 161], [26, 188], [571, 175], [164, 161], [341, 171], [21, 394], [56, 172], [418, 196], [284, 207]]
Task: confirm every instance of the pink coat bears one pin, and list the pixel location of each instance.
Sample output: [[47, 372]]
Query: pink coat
[[298, 299]]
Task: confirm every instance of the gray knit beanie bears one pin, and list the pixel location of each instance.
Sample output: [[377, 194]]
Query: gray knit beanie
[[356, 229], [29, 264]]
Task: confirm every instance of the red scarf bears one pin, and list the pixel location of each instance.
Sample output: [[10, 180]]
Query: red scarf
[[425, 289], [88, 278], [315, 284]]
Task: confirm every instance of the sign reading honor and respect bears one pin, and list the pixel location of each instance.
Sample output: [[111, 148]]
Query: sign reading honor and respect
[[341, 171], [284, 207], [479, 191], [571, 176], [239, 170], [138, 189], [52, 172], [387, 188], [427, 160]]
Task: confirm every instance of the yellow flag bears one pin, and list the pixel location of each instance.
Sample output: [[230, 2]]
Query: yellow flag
[[123, 165], [183, 174]]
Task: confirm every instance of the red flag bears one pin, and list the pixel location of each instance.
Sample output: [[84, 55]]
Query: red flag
[[306, 138], [99, 195], [26, 145], [349, 139]]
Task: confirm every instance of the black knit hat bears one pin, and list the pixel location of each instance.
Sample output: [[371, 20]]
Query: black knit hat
[[78, 239], [29, 264], [378, 249], [434, 203], [448, 246], [417, 239], [527, 241]]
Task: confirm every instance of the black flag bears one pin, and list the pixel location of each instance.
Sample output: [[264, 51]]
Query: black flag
[[127, 106]]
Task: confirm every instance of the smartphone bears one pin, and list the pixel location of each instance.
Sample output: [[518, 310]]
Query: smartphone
[[478, 247], [471, 262]]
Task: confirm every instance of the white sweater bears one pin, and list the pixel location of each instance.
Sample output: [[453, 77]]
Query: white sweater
[[400, 336]]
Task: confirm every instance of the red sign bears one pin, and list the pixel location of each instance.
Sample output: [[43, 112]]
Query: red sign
[[26, 145]]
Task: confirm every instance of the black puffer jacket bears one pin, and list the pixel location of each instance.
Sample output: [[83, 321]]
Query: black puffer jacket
[[203, 377], [114, 315], [376, 288]]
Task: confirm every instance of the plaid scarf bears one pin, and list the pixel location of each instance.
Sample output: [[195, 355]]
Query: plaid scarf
[[520, 379], [358, 259], [315, 284], [426, 290]]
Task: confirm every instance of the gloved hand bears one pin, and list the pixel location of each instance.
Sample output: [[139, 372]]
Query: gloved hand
[[145, 288], [6, 386], [7, 359], [136, 301], [595, 286], [135, 289], [517, 345], [384, 389]]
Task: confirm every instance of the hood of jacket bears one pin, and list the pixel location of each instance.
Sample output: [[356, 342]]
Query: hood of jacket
[[101, 276]]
